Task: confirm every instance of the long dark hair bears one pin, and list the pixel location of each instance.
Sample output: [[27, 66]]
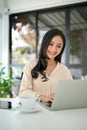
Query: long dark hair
[[42, 63]]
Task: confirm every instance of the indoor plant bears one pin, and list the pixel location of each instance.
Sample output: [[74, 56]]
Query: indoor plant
[[6, 83]]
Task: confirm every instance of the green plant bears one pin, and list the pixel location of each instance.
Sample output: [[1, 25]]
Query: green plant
[[6, 83]]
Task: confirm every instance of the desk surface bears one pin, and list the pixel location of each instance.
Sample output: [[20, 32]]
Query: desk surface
[[74, 119]]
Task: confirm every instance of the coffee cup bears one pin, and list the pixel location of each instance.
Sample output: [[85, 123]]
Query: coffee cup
[[28, 103]]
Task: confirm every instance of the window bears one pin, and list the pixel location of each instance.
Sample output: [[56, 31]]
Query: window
[[27, 30], [23, 42]]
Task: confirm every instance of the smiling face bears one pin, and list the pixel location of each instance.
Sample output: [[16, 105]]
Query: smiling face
[[55, 47]]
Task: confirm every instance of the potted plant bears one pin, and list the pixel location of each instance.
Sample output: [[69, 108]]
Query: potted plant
[[6, 83]]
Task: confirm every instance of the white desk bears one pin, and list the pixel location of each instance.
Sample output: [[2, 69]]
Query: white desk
[[74, 119]]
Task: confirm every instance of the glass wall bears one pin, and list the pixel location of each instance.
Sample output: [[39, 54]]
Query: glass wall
[[78, 40], [27, 30], [23, 42]]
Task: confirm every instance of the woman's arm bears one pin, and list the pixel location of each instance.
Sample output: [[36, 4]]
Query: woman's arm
[[26, 86]]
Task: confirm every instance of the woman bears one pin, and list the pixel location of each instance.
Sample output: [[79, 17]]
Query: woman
[[41, 77]]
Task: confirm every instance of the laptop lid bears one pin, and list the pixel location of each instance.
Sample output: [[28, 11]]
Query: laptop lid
[[70, 94]]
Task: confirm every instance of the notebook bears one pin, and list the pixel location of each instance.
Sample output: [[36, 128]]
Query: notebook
[[70, 94]]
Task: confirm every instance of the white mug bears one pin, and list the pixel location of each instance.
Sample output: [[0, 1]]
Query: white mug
[[28, 103]]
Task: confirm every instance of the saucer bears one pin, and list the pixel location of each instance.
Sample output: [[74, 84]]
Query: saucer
[[35, 109]]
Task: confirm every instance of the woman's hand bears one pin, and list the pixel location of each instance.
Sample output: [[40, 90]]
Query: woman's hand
[[44, 98]]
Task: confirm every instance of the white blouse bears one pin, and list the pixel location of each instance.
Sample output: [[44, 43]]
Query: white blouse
[[33, 86]]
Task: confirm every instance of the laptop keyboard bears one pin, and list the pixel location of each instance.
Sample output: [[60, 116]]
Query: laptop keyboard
[[49, 103]]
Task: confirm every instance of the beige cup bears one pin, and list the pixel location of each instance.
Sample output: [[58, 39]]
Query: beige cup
[[28, 103]]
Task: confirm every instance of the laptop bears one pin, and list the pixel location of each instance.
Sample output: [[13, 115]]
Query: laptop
[[70, 94]]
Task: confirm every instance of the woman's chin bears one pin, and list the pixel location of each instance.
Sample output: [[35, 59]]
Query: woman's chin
[[51, 56]]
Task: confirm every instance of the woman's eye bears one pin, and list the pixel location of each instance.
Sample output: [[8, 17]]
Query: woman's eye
[[59, 46]]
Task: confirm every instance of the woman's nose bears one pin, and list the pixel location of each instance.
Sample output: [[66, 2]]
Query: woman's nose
[[54, 48]]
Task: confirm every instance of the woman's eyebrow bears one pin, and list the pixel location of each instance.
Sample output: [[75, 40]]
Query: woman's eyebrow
[[57, 43]]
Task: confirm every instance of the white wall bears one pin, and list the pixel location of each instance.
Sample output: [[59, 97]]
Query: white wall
[[0, 36], [0, 30], [4, 29], [27, 5]]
